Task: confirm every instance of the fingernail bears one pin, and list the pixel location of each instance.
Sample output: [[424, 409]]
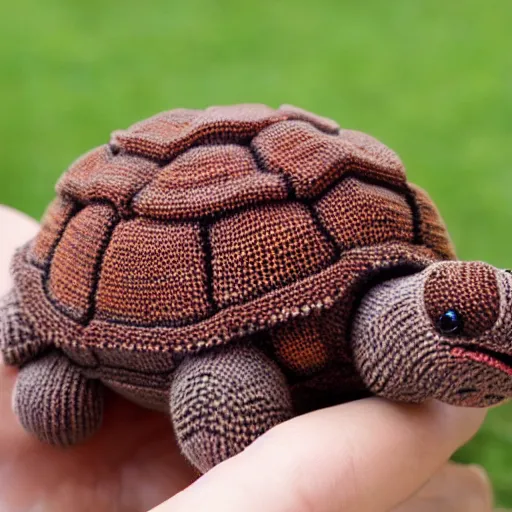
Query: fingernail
[[479, 470], [487, 493]]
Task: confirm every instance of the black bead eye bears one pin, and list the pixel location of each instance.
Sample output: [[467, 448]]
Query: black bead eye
[[450, 322]]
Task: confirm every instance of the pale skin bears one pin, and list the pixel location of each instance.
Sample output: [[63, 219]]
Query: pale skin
[[366, 456]]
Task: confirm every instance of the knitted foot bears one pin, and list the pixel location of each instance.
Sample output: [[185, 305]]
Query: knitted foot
[[55, 402], [17, 341], [222, 400]]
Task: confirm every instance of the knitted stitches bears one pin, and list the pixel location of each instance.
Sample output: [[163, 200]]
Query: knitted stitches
[[236, 266]]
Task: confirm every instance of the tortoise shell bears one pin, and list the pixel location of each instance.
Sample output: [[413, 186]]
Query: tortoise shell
[[194, 228]]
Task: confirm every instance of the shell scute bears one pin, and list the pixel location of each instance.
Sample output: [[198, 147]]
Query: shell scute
[[375, 151], [207, 180], [153, 272], [99, 175], [166, 135], [299, 114], [433, 229], [264, 249], [75, 265], [358, 214], [313, 160], [54, 221]]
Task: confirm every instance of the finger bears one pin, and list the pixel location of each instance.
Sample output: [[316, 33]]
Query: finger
[[368, 455], [15, 229], [456, 488]]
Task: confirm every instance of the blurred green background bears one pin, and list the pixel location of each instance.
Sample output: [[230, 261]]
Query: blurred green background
[[431, 79]]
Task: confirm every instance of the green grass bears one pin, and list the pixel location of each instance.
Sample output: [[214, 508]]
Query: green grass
[[431, 79]]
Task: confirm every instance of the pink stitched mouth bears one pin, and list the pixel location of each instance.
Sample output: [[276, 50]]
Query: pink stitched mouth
[[502, 362]]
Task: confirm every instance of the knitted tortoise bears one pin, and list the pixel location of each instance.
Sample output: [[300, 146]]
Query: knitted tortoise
[[240, 265]]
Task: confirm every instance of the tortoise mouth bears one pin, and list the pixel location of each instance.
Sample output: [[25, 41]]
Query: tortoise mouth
[[497, 360]]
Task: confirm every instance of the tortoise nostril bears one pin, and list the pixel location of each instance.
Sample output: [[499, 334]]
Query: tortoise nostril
[[495, 398], [466, 391]]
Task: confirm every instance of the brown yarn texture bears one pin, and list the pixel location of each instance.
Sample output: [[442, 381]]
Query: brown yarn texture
[[193, 228], [404, 354], [216, 416], [198, 229], [18, 341], [469, 288], [56, 403]]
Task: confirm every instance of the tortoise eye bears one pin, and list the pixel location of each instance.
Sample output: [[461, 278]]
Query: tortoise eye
[[463, 298], [450, 322]]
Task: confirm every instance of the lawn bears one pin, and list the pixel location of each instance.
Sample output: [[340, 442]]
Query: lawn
[[431, 79]]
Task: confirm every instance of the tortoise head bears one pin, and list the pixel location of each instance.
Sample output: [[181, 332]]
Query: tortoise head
[[444, 333]]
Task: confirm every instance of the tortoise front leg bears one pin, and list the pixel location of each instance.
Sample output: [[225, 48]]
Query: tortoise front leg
[[223, 399], [54, 401]]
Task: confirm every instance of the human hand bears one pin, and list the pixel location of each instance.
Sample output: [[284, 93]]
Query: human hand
[[368, 455]]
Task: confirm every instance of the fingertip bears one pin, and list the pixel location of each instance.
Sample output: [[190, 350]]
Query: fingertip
[[15, 229], [482, 486], [461, 422], [16, 218]]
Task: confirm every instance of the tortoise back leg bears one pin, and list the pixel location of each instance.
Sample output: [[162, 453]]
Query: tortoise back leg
[[223, 399], [55, 402], [17, 340]]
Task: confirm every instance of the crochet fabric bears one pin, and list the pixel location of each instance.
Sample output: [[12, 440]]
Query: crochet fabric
[[234, 226]]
